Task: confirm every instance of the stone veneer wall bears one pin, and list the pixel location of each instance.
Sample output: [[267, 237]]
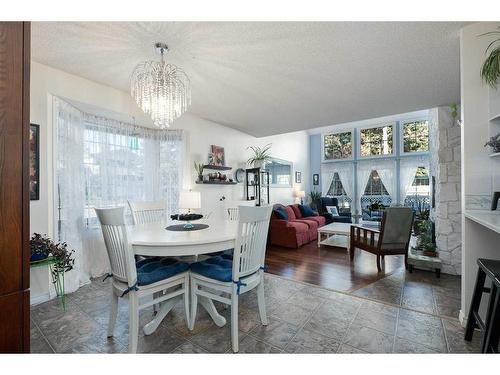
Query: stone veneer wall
[[445, 166]]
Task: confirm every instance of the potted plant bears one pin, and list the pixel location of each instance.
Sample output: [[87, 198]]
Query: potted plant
[[260, 155], [420, 217], [199, 169], [490, 71], [494, 143], [61, 258], [425, 243], [315, 197]]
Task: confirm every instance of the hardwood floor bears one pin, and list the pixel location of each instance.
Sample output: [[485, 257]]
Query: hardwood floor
[[329, 267]]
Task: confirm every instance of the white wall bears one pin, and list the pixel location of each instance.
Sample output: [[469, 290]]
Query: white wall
[[480, 173], [47, 81]]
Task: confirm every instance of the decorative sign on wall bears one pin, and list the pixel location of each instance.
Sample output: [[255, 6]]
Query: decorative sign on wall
[[298, 177], [316, 179], [34, 162]]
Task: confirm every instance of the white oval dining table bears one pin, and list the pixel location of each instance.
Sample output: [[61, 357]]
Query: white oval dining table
[[153, 239]]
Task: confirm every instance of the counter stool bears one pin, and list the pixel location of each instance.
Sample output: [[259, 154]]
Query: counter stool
[[490, 327]]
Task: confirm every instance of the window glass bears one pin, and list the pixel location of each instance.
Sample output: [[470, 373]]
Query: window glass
[[338, 146], [418, 195], [376, 141], [416, 136], [337, 190]]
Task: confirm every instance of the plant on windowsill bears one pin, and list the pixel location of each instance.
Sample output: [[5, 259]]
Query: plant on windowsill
[[57, 256], [490, 71], [425, 244], [260, 155], [494, 143], [199, 169], [315, 197]]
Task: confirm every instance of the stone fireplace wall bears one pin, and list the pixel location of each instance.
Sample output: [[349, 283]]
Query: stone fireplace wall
[[445, 166]]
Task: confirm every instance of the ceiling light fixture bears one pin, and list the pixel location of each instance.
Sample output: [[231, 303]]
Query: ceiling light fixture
[[161, 90]]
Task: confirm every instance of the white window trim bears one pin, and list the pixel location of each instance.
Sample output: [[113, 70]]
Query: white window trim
[[348, 130], [379, 125], [401, 135]]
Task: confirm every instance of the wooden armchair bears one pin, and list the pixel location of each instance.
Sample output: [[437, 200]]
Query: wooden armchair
[[393, 238]]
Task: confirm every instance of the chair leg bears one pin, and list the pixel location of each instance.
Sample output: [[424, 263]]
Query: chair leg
[[261, 300], [378, 264], [406, 260], [194, 304], [474, 305], [234, 320], [112, 313], [133, 319], [187, 311], [488, 321], [494, 331]]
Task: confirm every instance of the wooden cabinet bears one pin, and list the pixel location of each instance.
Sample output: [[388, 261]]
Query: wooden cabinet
[[14, 187]]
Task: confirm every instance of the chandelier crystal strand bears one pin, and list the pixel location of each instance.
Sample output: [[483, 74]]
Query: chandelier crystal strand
[[161, 90]]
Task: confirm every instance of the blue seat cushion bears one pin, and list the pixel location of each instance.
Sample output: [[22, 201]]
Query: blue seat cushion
[[154, 269], [217, 268]]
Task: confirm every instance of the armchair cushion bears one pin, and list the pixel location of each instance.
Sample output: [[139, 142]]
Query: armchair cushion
[[216, 268], [152, 270]]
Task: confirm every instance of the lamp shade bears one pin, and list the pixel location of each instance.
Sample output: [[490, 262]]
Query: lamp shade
[[190, 200], [300, 193]]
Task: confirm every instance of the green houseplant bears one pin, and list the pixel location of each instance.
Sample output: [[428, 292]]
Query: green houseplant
[[260, 155], [490, 71], [494, 143], [57, 256], [425, 242], [315, 196], [199, 169]]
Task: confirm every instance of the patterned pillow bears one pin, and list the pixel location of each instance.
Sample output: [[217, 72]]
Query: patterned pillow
[[332, 210]]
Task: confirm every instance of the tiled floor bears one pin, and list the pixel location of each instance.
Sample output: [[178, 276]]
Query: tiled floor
[[402, 313]]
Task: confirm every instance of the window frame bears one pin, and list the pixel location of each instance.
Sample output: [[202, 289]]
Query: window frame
[[393, 124], [352, 158], [401, 136]]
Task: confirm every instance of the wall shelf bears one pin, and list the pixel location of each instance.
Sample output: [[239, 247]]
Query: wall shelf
[[495, 155], [216, 183], [217, 167]]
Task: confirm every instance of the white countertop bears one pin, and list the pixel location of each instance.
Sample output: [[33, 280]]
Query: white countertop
[[489, 219]]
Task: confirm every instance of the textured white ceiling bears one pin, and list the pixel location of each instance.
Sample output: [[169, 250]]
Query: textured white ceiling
[[275, 77]]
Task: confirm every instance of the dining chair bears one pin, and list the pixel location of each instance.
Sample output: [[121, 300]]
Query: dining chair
[[147, 212], [393, 238], [159, 279], [223, 280]]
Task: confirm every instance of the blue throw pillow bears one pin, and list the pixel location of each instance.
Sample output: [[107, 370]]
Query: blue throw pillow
[[306, 211], [281, 213]]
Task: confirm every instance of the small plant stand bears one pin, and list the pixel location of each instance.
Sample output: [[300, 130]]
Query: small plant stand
[[417, 260], [57, 275]]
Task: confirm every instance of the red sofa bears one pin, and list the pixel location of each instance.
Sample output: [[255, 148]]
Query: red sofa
[[297, 230]]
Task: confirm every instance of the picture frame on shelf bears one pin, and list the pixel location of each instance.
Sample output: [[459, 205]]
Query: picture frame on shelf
[[34, 162], [218, 157], [298, 177]]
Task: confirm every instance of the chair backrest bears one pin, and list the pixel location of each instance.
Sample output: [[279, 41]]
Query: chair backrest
[[396, 226], [233, 213], [327, 201], [148, 212], [231, 210], [121, 257], [250, 250]]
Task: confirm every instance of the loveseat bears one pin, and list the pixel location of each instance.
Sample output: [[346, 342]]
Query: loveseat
[[294, 229]]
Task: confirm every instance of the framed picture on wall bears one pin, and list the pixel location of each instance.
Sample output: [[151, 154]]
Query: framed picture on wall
[[298, 177], [316, 179], [34, 162], [218, 157]]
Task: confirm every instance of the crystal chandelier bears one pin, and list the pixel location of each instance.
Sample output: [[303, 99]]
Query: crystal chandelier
[[161, 90]]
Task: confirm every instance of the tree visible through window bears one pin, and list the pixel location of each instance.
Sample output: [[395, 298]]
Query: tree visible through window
[[416, 136], [376, 141], [338, 146]]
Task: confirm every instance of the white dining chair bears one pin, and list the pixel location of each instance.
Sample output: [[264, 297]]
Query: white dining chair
[[223, 280], [147, 212], [159, 279]]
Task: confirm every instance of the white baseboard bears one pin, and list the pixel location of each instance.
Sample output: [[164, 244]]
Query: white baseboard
[[462, 318], [41, 298]]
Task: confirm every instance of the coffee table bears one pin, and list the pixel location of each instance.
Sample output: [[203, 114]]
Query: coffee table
[[339, 234]]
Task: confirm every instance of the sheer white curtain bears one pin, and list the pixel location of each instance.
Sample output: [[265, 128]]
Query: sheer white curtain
[[70, 193], [386, 170], [407, 170], [327, 175], [115, 162], [346, 175]]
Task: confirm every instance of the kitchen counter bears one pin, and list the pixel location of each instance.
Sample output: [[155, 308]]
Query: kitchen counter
[[489, 219]]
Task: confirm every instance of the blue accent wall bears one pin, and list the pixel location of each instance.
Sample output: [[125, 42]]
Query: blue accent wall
[[315, 159]]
